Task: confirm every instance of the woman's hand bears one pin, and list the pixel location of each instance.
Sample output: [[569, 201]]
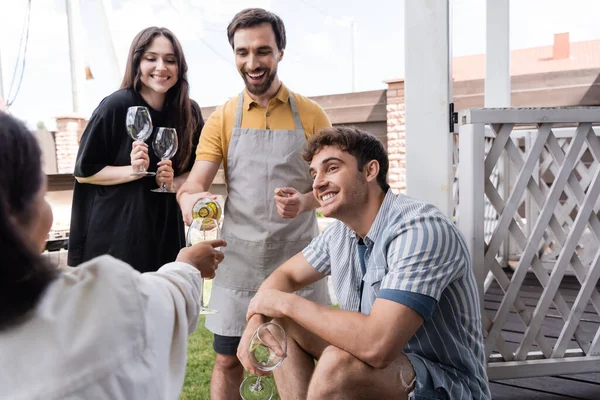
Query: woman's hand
[[205, 256], [139, 156], [165, 174]]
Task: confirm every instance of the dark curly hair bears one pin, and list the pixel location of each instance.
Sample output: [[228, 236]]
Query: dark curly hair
[[362, 145]]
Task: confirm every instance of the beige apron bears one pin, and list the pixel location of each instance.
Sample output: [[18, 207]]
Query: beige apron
[[258, 239]]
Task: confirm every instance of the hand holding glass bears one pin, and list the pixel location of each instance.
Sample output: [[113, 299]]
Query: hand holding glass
[[267, 349], [201, 230], [165, 147], [139, 126]]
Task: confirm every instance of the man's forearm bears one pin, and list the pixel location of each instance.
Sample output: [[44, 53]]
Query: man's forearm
[[180, 180], [347, 330], [189, 187], [199, 179], [281, 281]]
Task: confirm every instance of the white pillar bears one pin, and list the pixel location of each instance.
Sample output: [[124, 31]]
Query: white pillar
[[471, 188], [427, 96], [497, 54], [1, 80], [75, 30], [497, 87]]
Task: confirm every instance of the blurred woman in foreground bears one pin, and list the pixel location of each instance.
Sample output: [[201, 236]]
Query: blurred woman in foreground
[[100, 331]]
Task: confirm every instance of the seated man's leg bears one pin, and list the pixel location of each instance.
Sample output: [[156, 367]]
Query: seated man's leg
[[292, 377], [340, 375], [228, 372]]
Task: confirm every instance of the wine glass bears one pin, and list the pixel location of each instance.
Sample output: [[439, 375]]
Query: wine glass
[[201, 230], [165, 147], [267, 349], [139, 126]]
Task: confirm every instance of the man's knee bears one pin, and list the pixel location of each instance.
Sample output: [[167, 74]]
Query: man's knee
[[227, 363], [333, 373], [332, 356], [339, 372]]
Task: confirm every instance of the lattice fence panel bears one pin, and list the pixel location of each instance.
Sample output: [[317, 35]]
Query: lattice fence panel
[[551, 212]]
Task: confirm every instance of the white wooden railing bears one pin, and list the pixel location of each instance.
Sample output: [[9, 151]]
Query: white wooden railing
[[542, 193]]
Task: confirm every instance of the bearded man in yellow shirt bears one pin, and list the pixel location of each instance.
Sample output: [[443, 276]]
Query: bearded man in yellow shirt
[[259, 136]]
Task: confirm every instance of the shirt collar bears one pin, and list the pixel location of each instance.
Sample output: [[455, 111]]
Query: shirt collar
[[378, 224], [282, 95]]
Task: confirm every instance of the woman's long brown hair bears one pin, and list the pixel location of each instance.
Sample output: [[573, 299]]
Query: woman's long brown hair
[[177, 101]]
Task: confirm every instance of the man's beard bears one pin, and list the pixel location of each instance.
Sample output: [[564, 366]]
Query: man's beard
[[259, 90]]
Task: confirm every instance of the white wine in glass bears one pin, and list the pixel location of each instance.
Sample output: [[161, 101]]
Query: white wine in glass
[[267, 349], [201, 230], [165, 147], [139, 127]]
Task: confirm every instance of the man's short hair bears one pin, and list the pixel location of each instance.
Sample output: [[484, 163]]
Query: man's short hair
[[362, 145], [256, 16]]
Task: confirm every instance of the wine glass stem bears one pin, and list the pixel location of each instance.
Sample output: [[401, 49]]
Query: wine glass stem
[[202, 296], [257, 386]]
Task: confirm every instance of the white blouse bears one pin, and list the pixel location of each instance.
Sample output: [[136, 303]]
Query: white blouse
[[104, 331]]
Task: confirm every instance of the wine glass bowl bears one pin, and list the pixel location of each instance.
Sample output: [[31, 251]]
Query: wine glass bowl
[[201, 230], [267, 350], [165, 147], [139, 127]]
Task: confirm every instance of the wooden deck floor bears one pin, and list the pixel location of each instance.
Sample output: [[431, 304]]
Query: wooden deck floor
[[581, 386]]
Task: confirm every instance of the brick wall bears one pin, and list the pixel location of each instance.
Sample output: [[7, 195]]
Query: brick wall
[[396, 135], [68, 133]]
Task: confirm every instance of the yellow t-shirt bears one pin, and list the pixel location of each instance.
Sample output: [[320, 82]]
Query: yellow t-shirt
[[216, 134]]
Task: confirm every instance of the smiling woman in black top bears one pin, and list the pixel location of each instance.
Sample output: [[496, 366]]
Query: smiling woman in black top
[[114, 212]]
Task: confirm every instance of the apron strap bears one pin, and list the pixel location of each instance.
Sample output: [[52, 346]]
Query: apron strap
[[238, 114], [295, 112]]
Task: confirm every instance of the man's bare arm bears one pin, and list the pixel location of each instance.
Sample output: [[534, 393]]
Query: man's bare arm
[[200, 178], [295, 274], [376, 339], [196, 186]]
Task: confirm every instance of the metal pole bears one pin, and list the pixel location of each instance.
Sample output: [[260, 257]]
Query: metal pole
[[354, 53], [103, 7], [71, 7], [1, 80]]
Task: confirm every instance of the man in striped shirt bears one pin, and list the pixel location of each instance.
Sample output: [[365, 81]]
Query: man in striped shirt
[[410, 321]]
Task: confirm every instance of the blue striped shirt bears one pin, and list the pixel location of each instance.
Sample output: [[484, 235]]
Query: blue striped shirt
[[414, 256]]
